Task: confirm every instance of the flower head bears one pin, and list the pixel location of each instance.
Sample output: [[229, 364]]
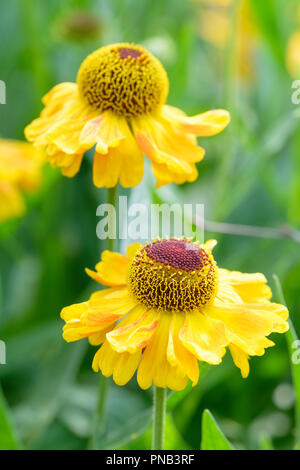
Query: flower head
[[169, 306], [118, 106], [20, 171]]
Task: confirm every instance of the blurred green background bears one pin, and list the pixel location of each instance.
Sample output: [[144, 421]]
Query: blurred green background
[[224, 54]]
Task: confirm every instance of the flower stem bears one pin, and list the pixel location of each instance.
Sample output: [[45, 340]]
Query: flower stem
[[111, 244], [112, 198], [159, 413]]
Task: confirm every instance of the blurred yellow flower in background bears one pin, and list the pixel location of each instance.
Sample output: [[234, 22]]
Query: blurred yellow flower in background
[[293, 50], [214, 25], [20, 172], [118, 106], [293, 54], [169, 306]]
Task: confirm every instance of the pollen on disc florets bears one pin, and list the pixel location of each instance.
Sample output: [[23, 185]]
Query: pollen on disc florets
[[124, 78], [173, 275]]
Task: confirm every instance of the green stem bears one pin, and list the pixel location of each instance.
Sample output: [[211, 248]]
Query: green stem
[[159, 413], [112, 198], [112, 245]]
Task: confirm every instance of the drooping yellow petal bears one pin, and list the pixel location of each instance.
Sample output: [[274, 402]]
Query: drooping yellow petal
[[104, 131], [69, 164], [240, 359], [98, 338], [121, 366], [123, 163], [203, 125], [227, 294], [88, 325], [59, 95], [177, 354], [250, 287], [204, 337], [247, 324], [59, 127], [66, 135], [154, 366], [97, 316], [164, 176], [74, 311], [111, 270], [113, 300], [165, 145], [135, 331]]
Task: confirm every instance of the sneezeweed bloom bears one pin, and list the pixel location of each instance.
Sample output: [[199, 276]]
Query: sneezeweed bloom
[[118, 106], [20, 173], [168, 306]]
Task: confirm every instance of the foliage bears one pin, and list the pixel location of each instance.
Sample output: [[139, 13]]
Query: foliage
[[250, 175]]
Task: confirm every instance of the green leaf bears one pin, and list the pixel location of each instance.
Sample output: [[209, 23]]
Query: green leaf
[[8, 440], [293, 346], [127, 432], [212, 436], [265, 442], [268, 20], [123, 427]]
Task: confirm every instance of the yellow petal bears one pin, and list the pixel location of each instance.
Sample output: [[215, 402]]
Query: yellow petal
[[204, 337], [209, 244], [104, 131], [60, 93], [69, 164], [135, 331], [203, 125], [98, 338], [154, 366], [227, 294], [111, 270], [164, 176], [164, 144], [250, 287], [97, 316], [112, 300], [54, 102], [106, 170], [177, 354], [240, 359], [66, 134], [123, 163], [132, 249], [246, 324], [121, 366], [73, 311]]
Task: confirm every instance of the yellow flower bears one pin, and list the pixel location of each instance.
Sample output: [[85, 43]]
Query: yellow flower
[[118, 106], [214, 26], [293, 54], [20, 171], [169, 306]]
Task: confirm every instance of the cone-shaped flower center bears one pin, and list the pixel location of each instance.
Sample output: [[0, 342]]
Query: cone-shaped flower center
[[124, 78], [174, 275]]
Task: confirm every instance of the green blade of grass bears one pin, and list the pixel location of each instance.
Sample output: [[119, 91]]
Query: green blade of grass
[[293, 346], [212, 436], [8, 439]]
